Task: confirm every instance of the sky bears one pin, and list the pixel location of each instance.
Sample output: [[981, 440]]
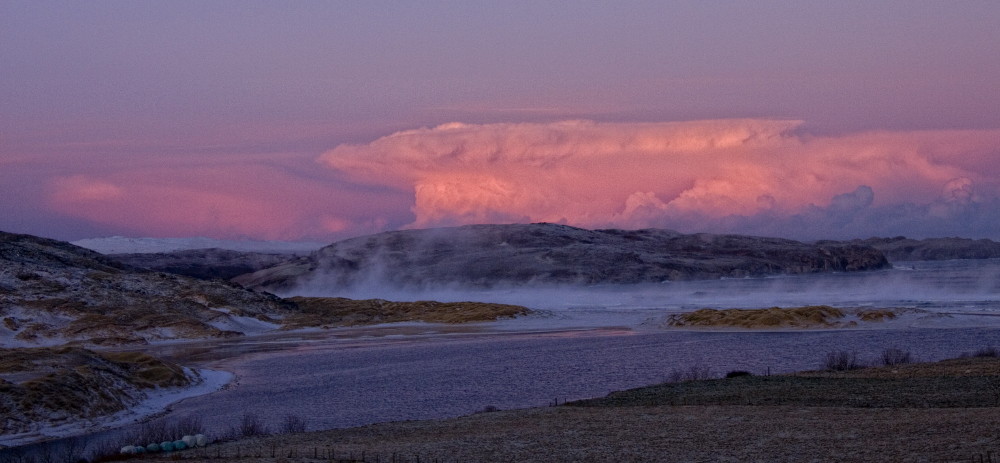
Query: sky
[[318, 121]]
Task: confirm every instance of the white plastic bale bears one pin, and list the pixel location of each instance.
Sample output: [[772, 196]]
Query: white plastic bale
[[188, 441], [128, 450], [200, 440]]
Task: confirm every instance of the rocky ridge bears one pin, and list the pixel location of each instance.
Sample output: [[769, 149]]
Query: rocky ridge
[[488, 255]]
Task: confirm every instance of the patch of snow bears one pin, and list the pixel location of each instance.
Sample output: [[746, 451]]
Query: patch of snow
[[24, 319], [125, 245], [245, 325], [155, 403]]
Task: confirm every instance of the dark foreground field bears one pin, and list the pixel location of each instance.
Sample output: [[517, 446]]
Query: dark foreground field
[[936, 412]]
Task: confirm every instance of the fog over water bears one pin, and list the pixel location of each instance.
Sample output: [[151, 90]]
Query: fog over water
[[956, 286], [587, 342]]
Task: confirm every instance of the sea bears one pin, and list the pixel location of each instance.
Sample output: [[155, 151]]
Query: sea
[[580, 342]]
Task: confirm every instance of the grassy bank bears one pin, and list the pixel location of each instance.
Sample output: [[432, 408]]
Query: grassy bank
[[814, 316]]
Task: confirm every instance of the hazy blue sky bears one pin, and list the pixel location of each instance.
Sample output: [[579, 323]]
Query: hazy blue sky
[[273, 120]]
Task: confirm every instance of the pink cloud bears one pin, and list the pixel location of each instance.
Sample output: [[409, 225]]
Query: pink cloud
[[651, 174], [225, 201], [80, 188]]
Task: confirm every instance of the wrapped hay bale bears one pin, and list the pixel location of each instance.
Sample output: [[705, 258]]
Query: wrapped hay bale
[[153, 448], [188, 441], [179, 445], [128, 450], [200, 440], [167, 446]]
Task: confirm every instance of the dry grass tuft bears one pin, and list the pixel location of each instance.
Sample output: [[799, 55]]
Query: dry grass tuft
[[149, 371], [774, 317], [876, 315]]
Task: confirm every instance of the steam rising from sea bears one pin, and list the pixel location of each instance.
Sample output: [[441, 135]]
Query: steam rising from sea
[[948, 293]]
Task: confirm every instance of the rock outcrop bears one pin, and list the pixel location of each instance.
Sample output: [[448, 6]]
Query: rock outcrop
[[488, 255]]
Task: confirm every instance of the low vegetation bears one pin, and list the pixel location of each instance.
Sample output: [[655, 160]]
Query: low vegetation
[[692, 373], [814, 316], [963, 382], [338, 311], [66, 384], [891, 357], [842, 361]]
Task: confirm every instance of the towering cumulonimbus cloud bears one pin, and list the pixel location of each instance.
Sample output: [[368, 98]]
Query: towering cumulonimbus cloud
[[725, 175]]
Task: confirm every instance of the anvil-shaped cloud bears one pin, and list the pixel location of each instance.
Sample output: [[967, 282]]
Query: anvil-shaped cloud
[[746, 175]]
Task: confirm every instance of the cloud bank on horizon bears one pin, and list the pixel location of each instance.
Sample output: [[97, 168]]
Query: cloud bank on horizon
[[756, 176]]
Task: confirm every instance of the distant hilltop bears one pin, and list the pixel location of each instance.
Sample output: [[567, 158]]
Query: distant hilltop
[[126, 245], [903, 249], [543, 253]]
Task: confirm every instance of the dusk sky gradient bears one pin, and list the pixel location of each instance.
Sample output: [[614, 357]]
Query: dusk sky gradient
[[325, 120]]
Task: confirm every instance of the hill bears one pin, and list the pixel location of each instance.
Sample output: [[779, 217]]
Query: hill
[[53, 292], [205, 264], [490, 255], [902, 249]]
